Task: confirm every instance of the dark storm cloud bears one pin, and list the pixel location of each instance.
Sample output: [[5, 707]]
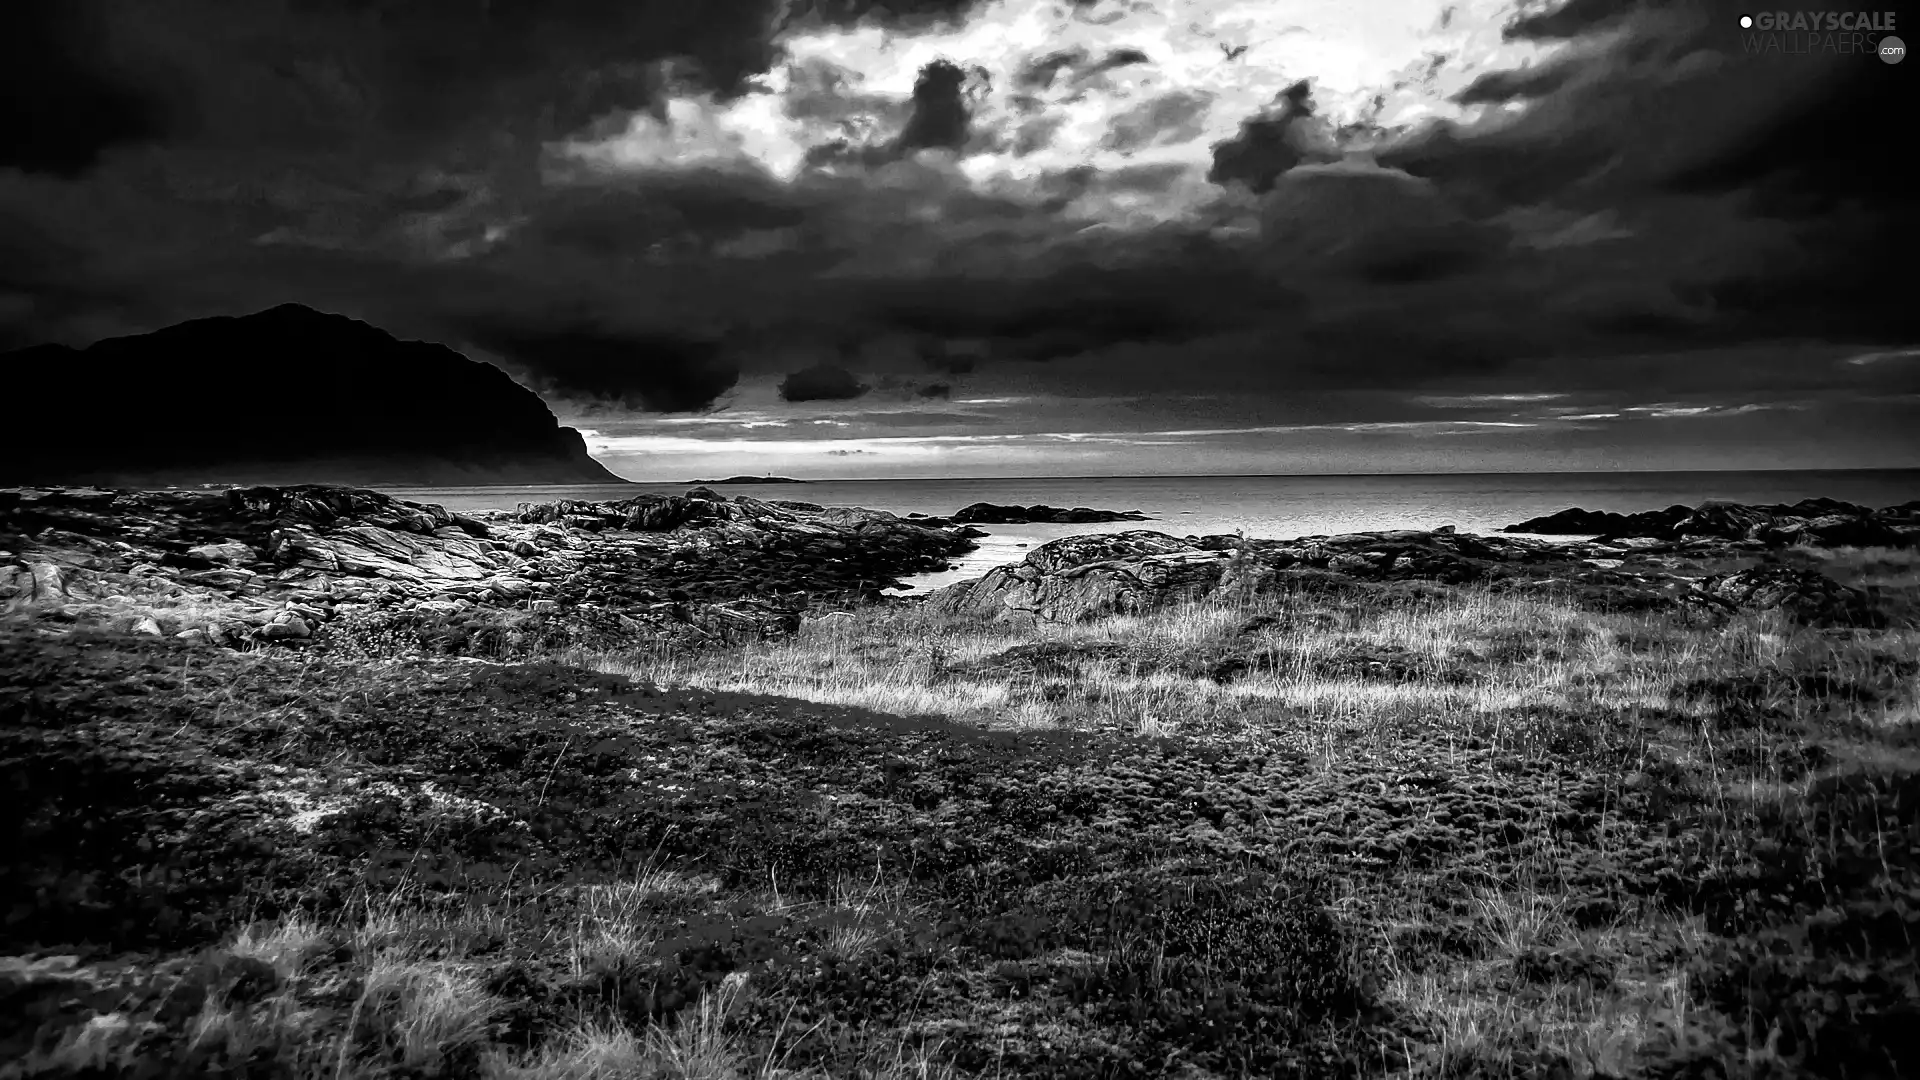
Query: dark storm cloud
[[401, 163], [1661, 90], [624, 215], [1526, 82], [1658, 106], [1850, 281], [1044, 328], [936, 357], [1151, 178], [1187, 293], [336, 74], [62, 101], [1357, 349], [1356, 221], [1425, 255], [1267, 144], [38, 274], [388, 160], [654, 372], [822, 382], [940, 114], [893, 14], [1664, 99], [1567, 20]]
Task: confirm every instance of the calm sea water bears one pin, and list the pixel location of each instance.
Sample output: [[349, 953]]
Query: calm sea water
[[1271, 507]]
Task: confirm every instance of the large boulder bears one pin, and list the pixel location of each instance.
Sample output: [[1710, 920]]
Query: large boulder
[[325, 506], [1086, 577], [1803, 595], [642, 513], [366, 550]]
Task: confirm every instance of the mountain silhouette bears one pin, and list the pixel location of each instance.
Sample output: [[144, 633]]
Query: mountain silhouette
[[286, 395]]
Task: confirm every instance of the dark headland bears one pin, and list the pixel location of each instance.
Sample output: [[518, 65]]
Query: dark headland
[[286, 395]]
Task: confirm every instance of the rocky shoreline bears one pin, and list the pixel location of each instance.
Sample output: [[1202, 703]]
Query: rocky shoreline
[[1084, 577], [266, 564], [358, 570]]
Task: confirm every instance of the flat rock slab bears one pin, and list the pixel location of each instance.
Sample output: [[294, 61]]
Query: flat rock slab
[[231, 565]]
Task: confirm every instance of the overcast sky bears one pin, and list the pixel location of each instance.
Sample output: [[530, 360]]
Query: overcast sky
[[1012, 237]]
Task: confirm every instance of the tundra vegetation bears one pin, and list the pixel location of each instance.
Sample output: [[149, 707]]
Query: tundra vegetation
[[1320, 827]]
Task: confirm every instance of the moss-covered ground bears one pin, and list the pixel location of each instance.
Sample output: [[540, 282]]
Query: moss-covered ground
[[1442, 833]]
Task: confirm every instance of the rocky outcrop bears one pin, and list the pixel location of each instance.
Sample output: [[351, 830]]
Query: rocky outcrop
[[711, 547], [306, 564], [287, 395], [1088, 577], [1802, 594], [981, 513], [266, 564], [1085, 577], [1817, 522]]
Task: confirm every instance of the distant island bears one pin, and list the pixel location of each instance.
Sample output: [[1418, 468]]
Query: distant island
[[752, 480], [283, 396], [982, 513]]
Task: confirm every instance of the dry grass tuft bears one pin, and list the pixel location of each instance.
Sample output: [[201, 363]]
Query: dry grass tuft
[[1541, 839]]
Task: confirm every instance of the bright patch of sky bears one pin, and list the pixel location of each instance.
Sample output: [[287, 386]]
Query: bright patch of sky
[[856, 84]]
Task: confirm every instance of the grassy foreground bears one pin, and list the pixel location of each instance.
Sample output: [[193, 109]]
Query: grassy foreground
[[1337, 830]]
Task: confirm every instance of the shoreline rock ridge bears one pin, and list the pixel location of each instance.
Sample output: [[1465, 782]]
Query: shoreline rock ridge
[[278, 563], [1080, 578], [331, 565]]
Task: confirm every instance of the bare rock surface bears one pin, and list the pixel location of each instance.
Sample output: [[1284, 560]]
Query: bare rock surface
[[280, 563], [1805, 595], [1087, 577], [322, 565]]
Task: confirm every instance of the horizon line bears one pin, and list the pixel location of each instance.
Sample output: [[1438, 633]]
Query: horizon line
[[1295, 476]]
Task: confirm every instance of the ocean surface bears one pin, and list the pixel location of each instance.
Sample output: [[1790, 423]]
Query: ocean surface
[[1268, 507]]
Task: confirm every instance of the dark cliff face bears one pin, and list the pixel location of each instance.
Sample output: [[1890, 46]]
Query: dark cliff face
[[284, 395]]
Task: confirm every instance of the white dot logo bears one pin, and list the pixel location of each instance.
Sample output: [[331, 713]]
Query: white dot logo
[[1746, 22]]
